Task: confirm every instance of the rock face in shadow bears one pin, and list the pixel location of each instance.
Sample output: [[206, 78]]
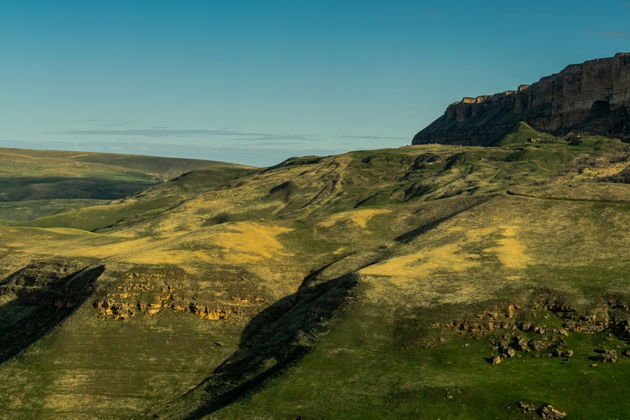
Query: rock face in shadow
[[590, 98], [37, 298]]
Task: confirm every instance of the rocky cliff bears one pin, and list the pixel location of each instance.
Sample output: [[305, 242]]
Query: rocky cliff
[[591, 98]]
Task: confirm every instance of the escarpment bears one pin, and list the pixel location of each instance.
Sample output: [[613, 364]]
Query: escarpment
[[148, 293], [590, 98]]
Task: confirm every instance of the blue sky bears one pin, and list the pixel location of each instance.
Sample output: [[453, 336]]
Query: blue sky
[[259, 81]]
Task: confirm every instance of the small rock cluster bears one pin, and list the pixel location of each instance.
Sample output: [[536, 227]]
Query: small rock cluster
[[613, 314], [507, 348], [547, 411], [495, 318], [606, 356]]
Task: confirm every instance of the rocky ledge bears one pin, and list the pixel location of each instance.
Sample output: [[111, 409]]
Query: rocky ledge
[[588, 98]]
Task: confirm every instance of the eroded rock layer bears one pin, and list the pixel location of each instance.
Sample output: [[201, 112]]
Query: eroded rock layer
[[590, 98]]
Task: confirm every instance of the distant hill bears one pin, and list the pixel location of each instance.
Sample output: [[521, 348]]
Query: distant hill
[[592, 98], [36, 182]]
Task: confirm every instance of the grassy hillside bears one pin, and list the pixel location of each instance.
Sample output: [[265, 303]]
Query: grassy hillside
[[373, 284], [34, 183]]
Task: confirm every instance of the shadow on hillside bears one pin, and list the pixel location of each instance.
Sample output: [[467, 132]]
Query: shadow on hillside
[[36, 299], [462, 207], [60, 187], [274, 339]]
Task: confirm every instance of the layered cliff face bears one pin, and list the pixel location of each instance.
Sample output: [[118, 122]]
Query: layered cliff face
[[590, 98]]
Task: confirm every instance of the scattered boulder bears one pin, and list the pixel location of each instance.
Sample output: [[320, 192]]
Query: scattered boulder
[[519, 343], [538, 345], [563, 332], [496, 359], [540, 329], [526, 406], [607, 356], [548, 411]]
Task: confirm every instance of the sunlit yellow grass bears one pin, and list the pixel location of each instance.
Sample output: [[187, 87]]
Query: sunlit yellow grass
[[450, 258], [359, 217], [612, 169], [511, 251], [424, 262], [256, 240], [230, 243]]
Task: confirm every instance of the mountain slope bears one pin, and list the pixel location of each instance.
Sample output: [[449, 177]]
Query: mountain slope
[[368, 284]]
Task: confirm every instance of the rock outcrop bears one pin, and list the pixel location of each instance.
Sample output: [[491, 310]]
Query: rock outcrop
[[589, 98], [148, 293]]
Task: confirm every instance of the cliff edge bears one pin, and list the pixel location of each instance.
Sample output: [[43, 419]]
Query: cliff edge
[[590, 98]]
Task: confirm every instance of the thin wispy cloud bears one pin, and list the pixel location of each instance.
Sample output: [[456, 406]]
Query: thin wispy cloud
[[171, 132], [164, 132], [613, 34], [106, 122], [368, 137]]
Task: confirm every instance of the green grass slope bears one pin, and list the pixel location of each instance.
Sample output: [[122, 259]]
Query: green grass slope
[[373, 284], [393, 351]]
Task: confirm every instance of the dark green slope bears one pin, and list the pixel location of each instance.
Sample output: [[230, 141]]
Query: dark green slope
[[423, 350]]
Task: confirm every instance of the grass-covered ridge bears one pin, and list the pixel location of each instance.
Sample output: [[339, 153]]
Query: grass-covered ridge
[[373, 284]]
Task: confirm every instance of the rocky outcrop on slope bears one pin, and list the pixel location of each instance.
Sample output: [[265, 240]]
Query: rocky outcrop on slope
[[590, 98], [148, 293]]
